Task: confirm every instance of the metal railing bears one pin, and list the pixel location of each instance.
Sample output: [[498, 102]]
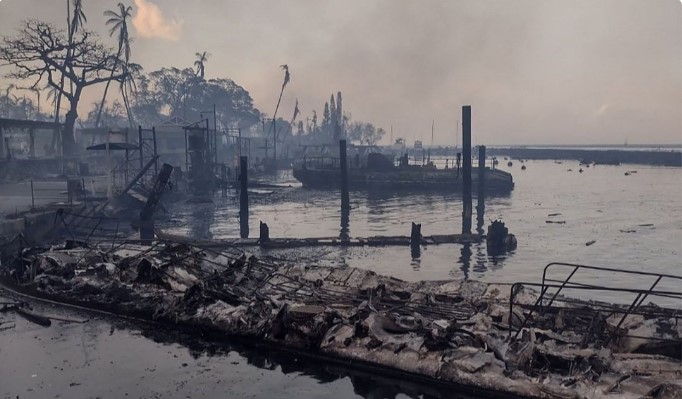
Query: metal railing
[[89, 229], [590, 315], [67, 191]]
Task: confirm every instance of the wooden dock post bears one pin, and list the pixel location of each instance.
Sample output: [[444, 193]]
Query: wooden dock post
[[243, 198], [466, 169], [345, 198], [480, 207], [264, 235], [415, 239]]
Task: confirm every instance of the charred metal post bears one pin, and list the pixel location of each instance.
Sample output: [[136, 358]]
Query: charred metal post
[[147, 213], [223, 179], [466, 169], [156, 164], [139, 143], [32, 143], [480, 207], [127, 159], [264, 232], [243, 198], [345, 198]]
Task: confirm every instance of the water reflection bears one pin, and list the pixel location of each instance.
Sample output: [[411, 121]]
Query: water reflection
[[266, 357], [465, 259], [345, 224], [200, 221]]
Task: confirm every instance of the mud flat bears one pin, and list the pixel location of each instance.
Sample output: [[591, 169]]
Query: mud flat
[[465, 333]]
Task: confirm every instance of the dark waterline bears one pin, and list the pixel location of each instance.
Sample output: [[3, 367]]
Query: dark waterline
[[108, 357]]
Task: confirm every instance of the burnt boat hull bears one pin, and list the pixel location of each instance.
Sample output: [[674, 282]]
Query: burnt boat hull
[[421, 179]]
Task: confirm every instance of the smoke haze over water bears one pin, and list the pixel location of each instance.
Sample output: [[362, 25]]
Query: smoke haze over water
[[550, 71]]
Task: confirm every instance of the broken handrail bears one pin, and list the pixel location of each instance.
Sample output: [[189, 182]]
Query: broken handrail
[[595, 308], [574, 285], [576, 267], [76, 225]]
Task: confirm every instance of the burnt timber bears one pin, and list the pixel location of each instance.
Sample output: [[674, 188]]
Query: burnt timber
[[376, 241]]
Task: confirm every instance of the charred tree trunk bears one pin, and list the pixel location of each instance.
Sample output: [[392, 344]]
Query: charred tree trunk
[[68, 143]]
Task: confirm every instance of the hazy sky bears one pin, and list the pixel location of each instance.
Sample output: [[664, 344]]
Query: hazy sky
[[541, 71]]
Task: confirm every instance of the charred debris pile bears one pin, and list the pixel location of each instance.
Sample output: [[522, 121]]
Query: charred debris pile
[[510, 340]]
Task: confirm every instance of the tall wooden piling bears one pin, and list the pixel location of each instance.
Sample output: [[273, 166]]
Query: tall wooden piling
[[466, 169], [345, 198], [415, 240], [480, 207], [243, 197]]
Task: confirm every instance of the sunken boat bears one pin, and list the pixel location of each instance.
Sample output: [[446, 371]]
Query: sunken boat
[[377, 171], [520, 340]]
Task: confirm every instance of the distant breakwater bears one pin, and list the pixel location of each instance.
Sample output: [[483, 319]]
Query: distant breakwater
[[612, 157]]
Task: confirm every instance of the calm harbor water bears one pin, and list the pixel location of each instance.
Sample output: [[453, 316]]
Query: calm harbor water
[[106, 357], [635, 222]]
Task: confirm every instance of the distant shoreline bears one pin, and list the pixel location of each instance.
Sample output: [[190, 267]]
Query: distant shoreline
[[670, 155], [599, 156]]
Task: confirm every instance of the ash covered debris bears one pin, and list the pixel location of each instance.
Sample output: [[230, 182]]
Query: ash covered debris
[[461, 332]]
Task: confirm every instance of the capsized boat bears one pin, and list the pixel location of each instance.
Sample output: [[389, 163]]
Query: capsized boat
[[377, 171]]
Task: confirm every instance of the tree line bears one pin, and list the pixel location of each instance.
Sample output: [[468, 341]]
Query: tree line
[[63, 63]]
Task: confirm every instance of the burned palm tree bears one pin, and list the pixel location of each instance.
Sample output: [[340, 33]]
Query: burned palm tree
[[287, 77], [200, 63], [131, 72], [119, 25]]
